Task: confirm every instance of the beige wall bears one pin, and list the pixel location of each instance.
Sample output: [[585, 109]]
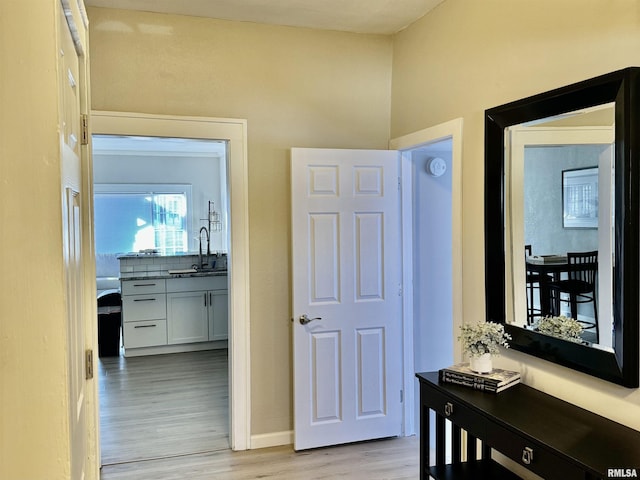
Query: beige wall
[[467, 56], [301, 87], [296, 88]]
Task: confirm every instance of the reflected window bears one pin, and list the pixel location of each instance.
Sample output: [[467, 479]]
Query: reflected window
[[580, 198]]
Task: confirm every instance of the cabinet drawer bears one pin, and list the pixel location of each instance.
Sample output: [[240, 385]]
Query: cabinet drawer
[[450, 409], [140, 287], [145, 334], [144, 307], [194, 284], [540, 460]]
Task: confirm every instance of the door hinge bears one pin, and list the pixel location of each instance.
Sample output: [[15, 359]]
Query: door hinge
[[399, 184], [88, 364], [401, 396], [85, 129]]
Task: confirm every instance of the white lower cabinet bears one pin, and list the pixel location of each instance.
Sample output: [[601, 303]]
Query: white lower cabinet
[[187, 319], [198, 308], [144, 313], [218, 315], [175, 311]]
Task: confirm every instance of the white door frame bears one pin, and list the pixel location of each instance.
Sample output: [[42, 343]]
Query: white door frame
[[448, 130], [234, 130]]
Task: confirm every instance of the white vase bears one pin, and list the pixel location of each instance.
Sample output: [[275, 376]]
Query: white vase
[[481, 364]]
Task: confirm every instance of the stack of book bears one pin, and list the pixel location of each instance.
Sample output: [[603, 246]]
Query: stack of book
[[495, 382]]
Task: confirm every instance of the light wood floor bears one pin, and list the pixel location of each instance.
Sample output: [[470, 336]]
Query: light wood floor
[[163, 405], [165, 418], [377, 460]]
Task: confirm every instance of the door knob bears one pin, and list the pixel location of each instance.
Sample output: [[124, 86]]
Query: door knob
[[304, 319]]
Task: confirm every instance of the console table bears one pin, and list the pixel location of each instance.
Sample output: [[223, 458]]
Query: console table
[[550, 437]]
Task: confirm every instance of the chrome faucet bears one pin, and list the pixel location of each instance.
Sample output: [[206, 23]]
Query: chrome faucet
[[202, 265]]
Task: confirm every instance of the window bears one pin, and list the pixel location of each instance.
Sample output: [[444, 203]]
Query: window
[[135, 217]]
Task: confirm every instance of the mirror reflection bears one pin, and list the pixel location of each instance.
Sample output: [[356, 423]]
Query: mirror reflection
[[559, 219]]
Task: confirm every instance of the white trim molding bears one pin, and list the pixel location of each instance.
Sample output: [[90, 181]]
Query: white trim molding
[[235, 132], [448, 130], [275, 439]]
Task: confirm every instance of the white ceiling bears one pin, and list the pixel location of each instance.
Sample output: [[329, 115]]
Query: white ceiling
[[361, 16]]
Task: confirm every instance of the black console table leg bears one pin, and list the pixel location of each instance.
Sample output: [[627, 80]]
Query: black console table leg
[[456, 442], [440, 440], [425, 446], [472, 451], [486, 451]]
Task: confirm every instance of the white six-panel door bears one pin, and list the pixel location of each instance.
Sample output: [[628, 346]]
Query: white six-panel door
[[69, 64], [346, 280]]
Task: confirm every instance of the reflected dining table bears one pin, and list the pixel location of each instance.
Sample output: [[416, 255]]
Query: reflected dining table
[[549, 269]]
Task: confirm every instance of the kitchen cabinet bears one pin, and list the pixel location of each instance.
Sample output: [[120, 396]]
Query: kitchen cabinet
[[197, 309], [174, 314], [218, 314], [144, 313], [187, 317]]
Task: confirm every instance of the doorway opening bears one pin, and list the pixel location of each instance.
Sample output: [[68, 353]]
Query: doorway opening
[[163, 392], [430, 166], [226, 219], [433, 334], [432, 250]]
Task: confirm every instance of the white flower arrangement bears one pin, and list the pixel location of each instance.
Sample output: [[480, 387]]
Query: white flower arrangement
[[485, 337], [562, 327]]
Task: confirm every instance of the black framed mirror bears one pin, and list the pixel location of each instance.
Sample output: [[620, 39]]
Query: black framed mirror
[[511, 187]]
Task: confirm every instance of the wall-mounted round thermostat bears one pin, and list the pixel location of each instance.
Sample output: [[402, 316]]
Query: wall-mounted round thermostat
[[436, 166]]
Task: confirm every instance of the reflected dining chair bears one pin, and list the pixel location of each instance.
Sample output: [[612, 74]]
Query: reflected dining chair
[[533, 284], [578, 287]]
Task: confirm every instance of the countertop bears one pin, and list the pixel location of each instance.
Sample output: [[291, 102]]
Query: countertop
[[164, 275], [151, 254]]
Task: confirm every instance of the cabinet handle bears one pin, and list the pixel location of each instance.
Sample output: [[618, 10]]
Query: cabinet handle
[[144, 300], [145, 326], [448, 409], [144, 284], [205, 299], [210, 300], [527, 455]]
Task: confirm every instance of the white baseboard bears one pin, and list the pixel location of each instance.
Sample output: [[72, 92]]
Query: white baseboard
[[178, 348], [274, 439]]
